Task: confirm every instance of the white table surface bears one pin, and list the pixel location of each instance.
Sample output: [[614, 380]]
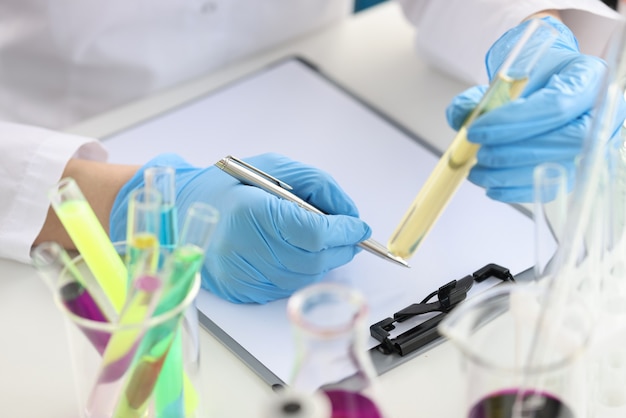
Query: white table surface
[[372, 54]]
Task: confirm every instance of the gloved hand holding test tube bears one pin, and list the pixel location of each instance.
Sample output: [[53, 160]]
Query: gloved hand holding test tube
[[454, 165]]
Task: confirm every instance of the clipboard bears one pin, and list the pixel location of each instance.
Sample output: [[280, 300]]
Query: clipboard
[[293, 108]]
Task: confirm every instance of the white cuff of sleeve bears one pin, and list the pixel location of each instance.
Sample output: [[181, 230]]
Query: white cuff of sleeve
[[39, 165]]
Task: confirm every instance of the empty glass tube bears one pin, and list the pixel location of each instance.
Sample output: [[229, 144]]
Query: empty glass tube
[[549, 213], [456, 162]]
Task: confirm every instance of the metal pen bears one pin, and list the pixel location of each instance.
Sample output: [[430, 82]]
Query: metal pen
[[252, 176]]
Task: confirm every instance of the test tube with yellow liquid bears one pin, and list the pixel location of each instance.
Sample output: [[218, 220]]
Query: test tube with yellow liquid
[[91, 240], [455, 164]]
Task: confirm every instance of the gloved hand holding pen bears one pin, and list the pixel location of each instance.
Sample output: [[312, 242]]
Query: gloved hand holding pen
[[548, 123], [263, 248]]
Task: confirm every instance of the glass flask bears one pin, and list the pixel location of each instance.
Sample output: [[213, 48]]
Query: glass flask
[[331, 359], [507, 373]]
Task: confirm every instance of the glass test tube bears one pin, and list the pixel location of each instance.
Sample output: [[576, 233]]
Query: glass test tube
[[459, 158], [55, 266], [160, 360], [549, 212], [142, 231], [119, 353], [142, 257], [163, 180], [91, 240], [172, 386]]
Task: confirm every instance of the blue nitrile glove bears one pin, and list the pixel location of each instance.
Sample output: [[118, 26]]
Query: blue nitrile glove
[[263, 248], [548, 123]]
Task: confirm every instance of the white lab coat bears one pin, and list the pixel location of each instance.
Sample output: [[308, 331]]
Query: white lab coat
[[455, 35], [63, 60]]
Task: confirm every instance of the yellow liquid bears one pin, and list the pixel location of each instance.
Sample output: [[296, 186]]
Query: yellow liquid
[[143, 255], [138, 309], [94, 245], [447, 176]]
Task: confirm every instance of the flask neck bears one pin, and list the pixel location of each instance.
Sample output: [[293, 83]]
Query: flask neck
[[331, 357], [323, 362]]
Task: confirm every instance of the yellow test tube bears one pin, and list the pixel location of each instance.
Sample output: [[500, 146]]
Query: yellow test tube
[[142, 230], [460, 156], [91, 240]]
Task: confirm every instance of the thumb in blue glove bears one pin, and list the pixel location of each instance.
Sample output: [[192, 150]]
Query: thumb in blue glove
[[263, 248], [548, 123]]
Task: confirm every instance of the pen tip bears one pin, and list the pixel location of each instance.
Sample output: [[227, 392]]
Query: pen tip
[[399, 260]]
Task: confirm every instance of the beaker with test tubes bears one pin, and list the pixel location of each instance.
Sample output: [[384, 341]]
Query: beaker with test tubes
[[136, 356], [494, 332], [90, 336], [455, 164], [332, 363]]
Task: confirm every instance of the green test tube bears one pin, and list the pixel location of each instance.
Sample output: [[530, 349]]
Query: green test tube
[[171, 391], [159, 359], [121, 349]]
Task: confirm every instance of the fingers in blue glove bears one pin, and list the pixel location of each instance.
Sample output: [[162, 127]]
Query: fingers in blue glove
[[512, 177], [564, 42], [568, 95], [309, 183], [561, 144], [462, 105], [297, 248], [549, 122], [264, 247]]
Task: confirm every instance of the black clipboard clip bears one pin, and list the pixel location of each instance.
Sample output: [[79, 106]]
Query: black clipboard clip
[[448, 296]]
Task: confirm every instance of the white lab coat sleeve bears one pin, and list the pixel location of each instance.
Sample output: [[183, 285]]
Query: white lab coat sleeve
[[31, 162], [455, 35]]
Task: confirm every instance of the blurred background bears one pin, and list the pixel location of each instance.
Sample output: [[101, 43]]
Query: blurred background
[[364, 4]]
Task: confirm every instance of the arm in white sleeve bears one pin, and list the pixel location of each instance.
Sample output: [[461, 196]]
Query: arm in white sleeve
[[455, 35], [32, 160]]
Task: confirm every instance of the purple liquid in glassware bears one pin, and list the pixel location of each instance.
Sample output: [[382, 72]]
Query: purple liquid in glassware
[[347, 404], [536, 405], [78, 301]]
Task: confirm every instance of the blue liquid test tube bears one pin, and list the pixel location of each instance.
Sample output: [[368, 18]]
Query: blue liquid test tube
[[163, 180]]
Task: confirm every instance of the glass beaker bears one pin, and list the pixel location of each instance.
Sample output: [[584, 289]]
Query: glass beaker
[[141, 351], [331, 359], [495, 332]]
